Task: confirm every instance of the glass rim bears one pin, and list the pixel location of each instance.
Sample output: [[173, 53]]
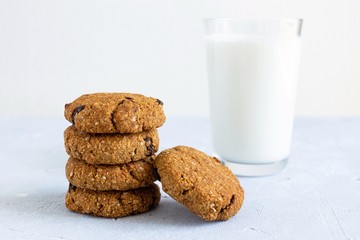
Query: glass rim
[[252, 20]]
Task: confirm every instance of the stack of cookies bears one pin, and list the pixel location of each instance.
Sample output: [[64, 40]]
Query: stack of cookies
[[112, 144]]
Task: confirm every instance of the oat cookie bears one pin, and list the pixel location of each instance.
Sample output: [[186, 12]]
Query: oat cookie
[[204, 185], [112, 204], [115, 113], [110, 148], [111, 177]]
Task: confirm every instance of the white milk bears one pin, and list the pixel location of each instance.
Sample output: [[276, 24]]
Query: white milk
[[252, 94]]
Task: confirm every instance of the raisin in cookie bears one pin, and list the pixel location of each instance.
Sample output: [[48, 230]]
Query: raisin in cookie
[[115, 113], [112, 204], [204, 185], [110, 148], [110, 177]]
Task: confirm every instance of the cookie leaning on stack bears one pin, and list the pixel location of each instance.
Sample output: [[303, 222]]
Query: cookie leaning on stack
[[200, 182], [111, 145]]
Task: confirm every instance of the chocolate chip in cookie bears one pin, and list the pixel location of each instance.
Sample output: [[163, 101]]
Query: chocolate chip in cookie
[[76, 111]]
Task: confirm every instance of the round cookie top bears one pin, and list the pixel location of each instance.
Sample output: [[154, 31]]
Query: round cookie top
[[115, 113], [204, 185]]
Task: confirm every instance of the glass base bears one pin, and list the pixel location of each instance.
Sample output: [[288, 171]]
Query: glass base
[[255, 170]]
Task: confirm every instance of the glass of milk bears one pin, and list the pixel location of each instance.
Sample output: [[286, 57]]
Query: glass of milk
[[252, 70]]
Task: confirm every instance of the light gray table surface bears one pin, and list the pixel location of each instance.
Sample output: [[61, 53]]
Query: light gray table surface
[[317, 196]]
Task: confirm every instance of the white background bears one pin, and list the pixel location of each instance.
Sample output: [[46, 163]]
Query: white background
[[53, 51]]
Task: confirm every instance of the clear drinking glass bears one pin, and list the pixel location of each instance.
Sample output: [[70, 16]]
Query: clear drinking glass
[[252, 70]]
